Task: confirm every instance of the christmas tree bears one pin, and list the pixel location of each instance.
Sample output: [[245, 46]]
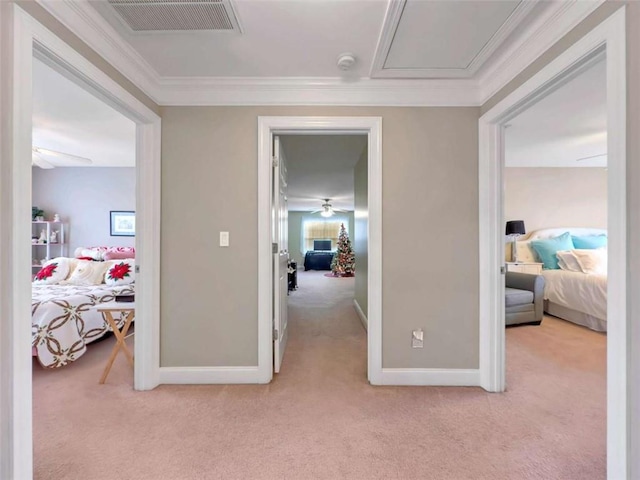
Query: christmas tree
[[344, 260]]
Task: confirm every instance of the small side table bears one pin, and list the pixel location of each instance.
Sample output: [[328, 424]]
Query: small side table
[[107, 310]]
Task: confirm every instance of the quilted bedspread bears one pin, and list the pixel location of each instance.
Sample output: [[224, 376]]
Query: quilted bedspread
[[63, 320]]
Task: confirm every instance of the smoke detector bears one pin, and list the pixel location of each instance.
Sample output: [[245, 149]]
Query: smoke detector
[[346, 61]]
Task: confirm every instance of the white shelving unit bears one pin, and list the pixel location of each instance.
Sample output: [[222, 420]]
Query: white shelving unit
[[46, 250]]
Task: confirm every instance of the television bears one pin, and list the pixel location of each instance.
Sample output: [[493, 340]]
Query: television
[[322, 245]]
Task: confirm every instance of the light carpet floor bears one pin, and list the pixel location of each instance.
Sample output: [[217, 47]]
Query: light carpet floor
[[320, 419]]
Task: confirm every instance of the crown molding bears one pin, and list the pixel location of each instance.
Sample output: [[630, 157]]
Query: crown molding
[[84, 21], [504, 63], [317, 91], [557, 19]]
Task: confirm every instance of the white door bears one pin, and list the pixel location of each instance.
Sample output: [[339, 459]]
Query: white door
[[280, 234]]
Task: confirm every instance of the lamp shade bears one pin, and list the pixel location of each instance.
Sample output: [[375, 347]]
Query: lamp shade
[[515, 227]]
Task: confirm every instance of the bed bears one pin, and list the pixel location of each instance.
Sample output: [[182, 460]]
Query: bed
[[575, 296], [63, 317], [318, 260]]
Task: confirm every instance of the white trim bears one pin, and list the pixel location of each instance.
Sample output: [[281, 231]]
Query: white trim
[[361, 315], [390, 25], [92, 28], [29, 36], [15, 256], [544, 31], [209, 375], [372, 126], [317, 91], [610, 33], [510, 59], [448, 377]]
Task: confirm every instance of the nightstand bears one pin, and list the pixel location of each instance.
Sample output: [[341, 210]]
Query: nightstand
[[525, 267]]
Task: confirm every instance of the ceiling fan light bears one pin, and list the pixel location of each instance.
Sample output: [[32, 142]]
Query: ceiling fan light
[[327, 213]]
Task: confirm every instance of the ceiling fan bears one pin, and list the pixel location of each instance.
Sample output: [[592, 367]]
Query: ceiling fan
[[327, 210], [45, 158]]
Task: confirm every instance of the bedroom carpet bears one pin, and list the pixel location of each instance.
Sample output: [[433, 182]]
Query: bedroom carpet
[[320, 419]]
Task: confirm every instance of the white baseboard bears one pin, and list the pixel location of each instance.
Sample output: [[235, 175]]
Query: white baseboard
[[430, 377], [363, 317], [209, 375]]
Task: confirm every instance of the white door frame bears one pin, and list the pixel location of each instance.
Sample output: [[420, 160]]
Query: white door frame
[[609, 35], [370, 126], [22, 37]]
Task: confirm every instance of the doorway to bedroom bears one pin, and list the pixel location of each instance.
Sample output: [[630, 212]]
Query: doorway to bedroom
[[84, 185], [31, 41], [555, 219], [83, 221], [272, 336], [326, 200]]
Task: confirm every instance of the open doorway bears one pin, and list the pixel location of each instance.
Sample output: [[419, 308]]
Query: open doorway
[[31, 40], [268, 128], [607, 37], [326, 199], [555, 217]]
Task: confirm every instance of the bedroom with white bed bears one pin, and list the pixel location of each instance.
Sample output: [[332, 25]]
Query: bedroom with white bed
[[83, 221], [555, 179]]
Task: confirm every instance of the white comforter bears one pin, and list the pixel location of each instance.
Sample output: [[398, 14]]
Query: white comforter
[[63, 320], [578, 291]]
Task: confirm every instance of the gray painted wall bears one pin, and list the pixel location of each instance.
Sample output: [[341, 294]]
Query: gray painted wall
[[295, 232], [556, 197], [360, 234], [83, 196], [430, 194]]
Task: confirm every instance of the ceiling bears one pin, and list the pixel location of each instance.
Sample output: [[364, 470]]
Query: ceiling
[[68, 119], [567, 128], [302, 38], [319, 167]]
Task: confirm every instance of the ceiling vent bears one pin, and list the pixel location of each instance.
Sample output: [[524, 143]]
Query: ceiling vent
[[177, 15]]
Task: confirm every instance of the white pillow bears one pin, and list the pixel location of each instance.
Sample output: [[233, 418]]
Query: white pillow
[[87, 273], [592, 260], [53, 271], [120, 272], [567, 261]]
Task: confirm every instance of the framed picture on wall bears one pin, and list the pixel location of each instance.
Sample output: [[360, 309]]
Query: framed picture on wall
[[123, 224]]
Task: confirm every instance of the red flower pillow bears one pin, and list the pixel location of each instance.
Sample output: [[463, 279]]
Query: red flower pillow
[[53, 271], [121, 272]]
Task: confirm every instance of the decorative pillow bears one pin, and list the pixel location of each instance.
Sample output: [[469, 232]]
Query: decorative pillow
[[87, 273], [592, 260], [120, 254], [120, 272], [547, 248], [95, 253], [53, 271], [567, 261], [589, 241]]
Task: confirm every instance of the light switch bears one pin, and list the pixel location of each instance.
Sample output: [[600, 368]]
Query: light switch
[[224, 239]]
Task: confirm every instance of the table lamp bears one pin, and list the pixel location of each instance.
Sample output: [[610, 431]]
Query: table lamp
[[514, 229]]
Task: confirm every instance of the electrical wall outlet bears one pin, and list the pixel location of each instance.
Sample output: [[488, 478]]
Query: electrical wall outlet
[[417, 338]]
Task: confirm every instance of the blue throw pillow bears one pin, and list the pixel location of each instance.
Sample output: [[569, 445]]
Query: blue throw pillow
[[546, 249], [589, 242]]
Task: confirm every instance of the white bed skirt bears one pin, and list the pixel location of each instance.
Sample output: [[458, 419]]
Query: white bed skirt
[[574, 316]]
